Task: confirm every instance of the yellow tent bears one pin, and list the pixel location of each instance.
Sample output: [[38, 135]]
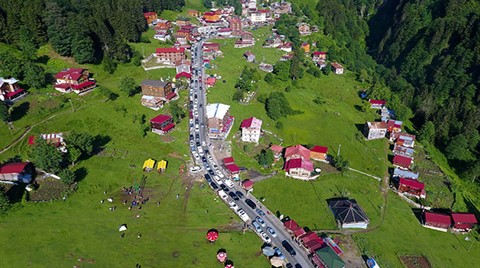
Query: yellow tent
[[148, 165], [162, 165]]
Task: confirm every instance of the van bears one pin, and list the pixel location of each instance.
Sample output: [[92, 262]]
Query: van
[[289, 248], [250, 203], [222, 194]]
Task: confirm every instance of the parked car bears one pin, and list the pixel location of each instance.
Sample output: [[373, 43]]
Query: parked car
[[260, 212], [233, 196], [279, 253], [271, 231], [289, 248], [250, 203], [214, 185], [265, 237], [257, 226], [260, 220], [239, 194]]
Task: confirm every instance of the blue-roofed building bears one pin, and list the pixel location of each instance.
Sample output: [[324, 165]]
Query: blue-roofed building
[[400, 173]]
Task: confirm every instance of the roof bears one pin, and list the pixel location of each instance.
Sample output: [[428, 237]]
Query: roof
[[336, 65], [148, 14], [297, 150], [347, 211], [414, 184], [170, 50], [402, 161], [154, 83], [162, 164], [233, 168], [310, 236], [299, 163], [404, 173], [251, 122], [291, 225], [149, 163], [83, 85], [9, 81], [228, 160], [13, 167], [160, 119], [319, 53], [247, 183], [439, 218], [379, 102], [319, 149], [217, 110], [377, 125], [211, 80], [183, 74], [330, 258], [224, 30], [70, 74], [276, 148], [463, 217], [263, 11], [299, 232]]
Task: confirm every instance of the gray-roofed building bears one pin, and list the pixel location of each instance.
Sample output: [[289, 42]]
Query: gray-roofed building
[[348, 213], [400, 173]]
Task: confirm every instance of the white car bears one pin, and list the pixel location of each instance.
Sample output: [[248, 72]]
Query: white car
[[265, 237], [229, 183], [243, 215], [233, 205], [216, 178], [220, 174], [195, 169], [222, 195]]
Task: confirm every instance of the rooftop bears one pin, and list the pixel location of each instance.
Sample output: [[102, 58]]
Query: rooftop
[[217, 110]]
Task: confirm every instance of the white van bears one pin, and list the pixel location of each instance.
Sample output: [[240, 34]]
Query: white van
[[222, 195]]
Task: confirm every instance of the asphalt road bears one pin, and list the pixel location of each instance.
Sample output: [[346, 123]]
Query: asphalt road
[[203, 158]]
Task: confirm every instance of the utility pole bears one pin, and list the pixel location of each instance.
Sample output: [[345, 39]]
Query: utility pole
[[339, 147]]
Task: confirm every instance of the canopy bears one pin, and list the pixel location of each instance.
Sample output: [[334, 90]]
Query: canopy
[[122, 228], [276, 261], [162, 165], [212, 235], [222, 256], [268, 251], [148, 164]]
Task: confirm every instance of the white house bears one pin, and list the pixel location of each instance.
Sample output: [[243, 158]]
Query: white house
[[337, 68], [259, 16], [375, 130], [251, 129]]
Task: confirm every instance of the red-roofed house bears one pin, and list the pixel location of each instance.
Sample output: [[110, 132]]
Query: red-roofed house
[[162, 124], [277, 151], [402, 161], [297, 151], [412, 187], [319, 153], [228, 161], [211, 17], [319, 56], [193, 13], [17, 172], [299, 168], [233, 169], [436, 221], [337, 68], [170, 55], [375, 130], [311, 241], [150, 17], [235, 24], [211, 46], [251, 129], [299, 232], [247, 185], [211, 81], [224, 32], [10, 90], [394, 126], [74, 79], [291, 225], [463, 222], [377, 104], [403, 139]]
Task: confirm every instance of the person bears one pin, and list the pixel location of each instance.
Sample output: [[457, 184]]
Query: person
[[122, 235], [139, 236], [178, 196]]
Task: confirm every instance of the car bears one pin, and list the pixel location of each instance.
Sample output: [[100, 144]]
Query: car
[[260, 220], [211, 172], [191, 137], [265, 237], [204, 159], [260, 212], [220, 174], [233, 205], [197, 136], [298, 265], [224, 187], [229, 183], [257, 226], [192, 143], [198, 144], [250, 203], [239, 194], [289, 265], [205, 144], [208, 177], [216, 178], [233, 196], [214, 185], [289, 248], [195, 169], [271, 231], [197, 157], [222, 195], [196, 120], [243, 215], [279, 253]]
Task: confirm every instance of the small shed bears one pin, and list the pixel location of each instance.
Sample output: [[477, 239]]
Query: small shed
[[162, 166], [148, 165]]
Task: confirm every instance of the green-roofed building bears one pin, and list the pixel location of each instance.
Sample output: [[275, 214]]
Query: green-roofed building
[[329, 258]]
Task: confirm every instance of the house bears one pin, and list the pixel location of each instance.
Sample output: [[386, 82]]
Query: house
[[182, 33], [412, 187], [319, 153], [259, 16], [329, 259], [402, 150], [231, 167], [55, 139], [304, 29], [162, 26], [10, 90], [287, 47], [273, 41], [211, 17], [74, 79], [337, 68], [375, 130], [403, 139], [156, 93], [348, 213], [377, 104], [169, 55], [251, 129], [319, 56], [286, 57], [299, 168], [385, 114], [183, 66], [297, 151], [400, 173], [211, 81], [150, 17], [463, 222], [249, 56], [17, 172], [321, 64], [277, 151], [246, 40], [247, 185], [208, 47], [162, 166], [394, 126], [193, 13], [162, 124], [310, 240], [265, 67], [402, 161], [164, 37], [436, 221], [291, 225], [183, 22], [219, 121], [235, 24], [280, 8], [224, 32], [306, 47]]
